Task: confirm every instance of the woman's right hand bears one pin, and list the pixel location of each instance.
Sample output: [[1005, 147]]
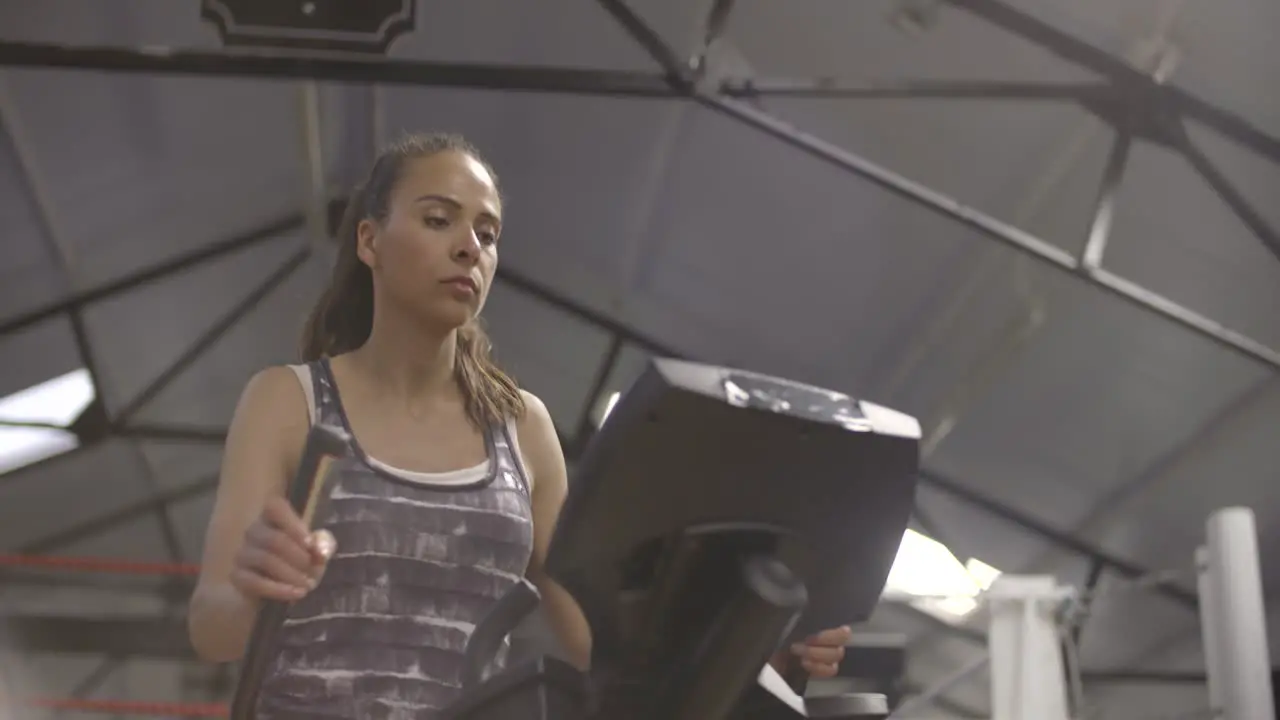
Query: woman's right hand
[[280, 559]]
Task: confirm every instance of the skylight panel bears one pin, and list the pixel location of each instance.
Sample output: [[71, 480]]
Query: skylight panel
[[41, 417]]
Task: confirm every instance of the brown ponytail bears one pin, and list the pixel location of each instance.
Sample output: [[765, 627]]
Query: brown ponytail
[[343, 317]]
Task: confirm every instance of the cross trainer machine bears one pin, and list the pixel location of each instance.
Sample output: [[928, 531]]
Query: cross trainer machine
[[716, 516]]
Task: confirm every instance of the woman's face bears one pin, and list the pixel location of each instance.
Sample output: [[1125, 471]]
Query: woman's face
[[437, 249]]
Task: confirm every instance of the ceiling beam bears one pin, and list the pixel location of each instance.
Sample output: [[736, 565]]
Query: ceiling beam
[[153, 273], [337, 68], [109, 521], [1110, 102], [215, 332], [1129, 78], [652, 345], [955, 488], [149, 637]]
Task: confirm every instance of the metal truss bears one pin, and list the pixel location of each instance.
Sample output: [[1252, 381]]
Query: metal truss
[[1138, 108]]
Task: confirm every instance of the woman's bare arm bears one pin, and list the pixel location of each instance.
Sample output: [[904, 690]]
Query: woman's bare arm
[[541, 448], [263, 445]]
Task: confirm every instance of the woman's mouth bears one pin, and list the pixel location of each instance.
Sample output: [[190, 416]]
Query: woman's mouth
[[463, 285]]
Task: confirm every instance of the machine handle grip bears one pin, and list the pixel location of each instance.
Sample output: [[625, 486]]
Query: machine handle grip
[[307, 492], [514, 606], [796, 677], [764, 606]]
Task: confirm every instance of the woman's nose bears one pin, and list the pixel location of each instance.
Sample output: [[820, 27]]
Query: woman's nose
[[467, 246]]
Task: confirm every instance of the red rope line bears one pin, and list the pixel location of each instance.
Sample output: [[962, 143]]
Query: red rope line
[[122, 707], [123, 567], [97, 565]]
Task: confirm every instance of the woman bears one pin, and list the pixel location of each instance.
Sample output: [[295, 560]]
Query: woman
[[422, 536]]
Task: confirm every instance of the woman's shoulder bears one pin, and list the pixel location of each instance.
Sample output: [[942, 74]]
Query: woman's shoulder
[[276, 392], [272, 415], [535, 426], [532, 405], [276, 380]]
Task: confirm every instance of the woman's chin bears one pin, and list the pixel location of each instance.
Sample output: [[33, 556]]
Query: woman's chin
[[450, 318]]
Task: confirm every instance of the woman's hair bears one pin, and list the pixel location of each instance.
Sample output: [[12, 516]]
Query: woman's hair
[[343, 317]]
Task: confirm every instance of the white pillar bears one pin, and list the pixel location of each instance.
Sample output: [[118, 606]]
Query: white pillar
[[1239, 627], [1209, 631], [1027, 677]]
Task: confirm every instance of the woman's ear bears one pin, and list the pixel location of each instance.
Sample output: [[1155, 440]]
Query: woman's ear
[[367, 242]]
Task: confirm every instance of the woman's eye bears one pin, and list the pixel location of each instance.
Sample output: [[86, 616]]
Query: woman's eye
[[487, 238], [436, 222]]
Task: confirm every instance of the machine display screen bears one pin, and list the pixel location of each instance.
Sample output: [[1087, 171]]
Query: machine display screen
[[791, 398]]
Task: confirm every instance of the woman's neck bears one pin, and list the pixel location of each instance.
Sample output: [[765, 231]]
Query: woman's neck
[[409, 362]]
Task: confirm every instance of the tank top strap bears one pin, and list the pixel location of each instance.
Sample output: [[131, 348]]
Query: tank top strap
[[327, 409], [510, 463]]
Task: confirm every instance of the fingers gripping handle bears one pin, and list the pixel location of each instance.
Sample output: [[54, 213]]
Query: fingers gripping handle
[[308, 493], [309, 489]]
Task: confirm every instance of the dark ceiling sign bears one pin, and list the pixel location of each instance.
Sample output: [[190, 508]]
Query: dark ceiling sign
[[367, 26]]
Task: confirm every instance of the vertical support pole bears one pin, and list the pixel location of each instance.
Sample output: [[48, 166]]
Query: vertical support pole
[[1208, 632], [716, 23], [315, 192], [1104, 209], [1027, 674], [1239, 622]]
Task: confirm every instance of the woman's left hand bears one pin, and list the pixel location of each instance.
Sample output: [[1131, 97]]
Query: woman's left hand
[[819, 654]]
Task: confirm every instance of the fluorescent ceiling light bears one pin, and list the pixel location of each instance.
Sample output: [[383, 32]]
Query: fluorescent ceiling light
[[935, 581], [608, 407], [56, 402]]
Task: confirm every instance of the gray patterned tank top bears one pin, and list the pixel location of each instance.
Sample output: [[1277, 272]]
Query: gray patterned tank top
[[421, 558]]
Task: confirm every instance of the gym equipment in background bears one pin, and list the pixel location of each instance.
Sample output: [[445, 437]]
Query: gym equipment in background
[[1033, 618], [717, 515]]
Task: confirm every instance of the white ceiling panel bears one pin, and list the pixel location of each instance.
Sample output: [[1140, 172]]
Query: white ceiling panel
[[37, 353], [142, 168], [1162, 526], [550, 352], [994, 156], [55, 676], [137, 335], [177, 464], [1231, 58], [141, 540], [565, 33], [39, 501], [1111, 391], [1255, 175], [1173, 235], [191, 517], [30, 275], [206, 394], [84, 598], [861, 41], [120, 23], [156, 680], [599, 151], [1126, 621], [763, 256], [943, 658]]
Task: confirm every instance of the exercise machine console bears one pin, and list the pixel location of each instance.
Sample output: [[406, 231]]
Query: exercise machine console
[[716, 516]]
